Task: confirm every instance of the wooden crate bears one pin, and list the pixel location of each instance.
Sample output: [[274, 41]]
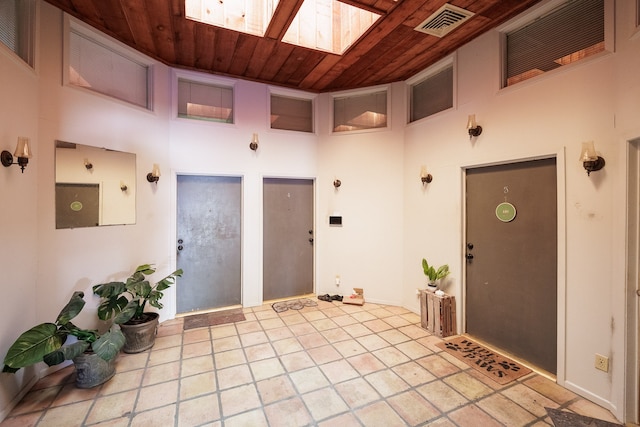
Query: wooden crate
[[438, 313]]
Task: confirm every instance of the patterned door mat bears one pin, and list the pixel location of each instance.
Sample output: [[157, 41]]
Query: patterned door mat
[[213, 319], [294, 304], [569, 419], [499, 368]]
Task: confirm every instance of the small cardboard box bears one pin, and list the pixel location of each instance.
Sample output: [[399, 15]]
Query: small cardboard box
[[357, 298]]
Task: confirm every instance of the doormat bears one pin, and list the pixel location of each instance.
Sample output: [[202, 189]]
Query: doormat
[[294, 304], [213, 319], [499, 368], [570, 419]]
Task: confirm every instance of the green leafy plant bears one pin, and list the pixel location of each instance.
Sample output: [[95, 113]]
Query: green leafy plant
[[46, 342], [434, 273], [125, 302]]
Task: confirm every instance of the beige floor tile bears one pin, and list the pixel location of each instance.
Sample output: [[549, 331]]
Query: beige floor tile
[[349, 348], [529, 399], [590, 409], [339, 371], [391, 356], [158, 395], [363, 316], [302, 328], [196, 365], [130, 362], [324, 403], [472, 416], [290, 412], [164, 416], [162, 356], [413, 374], [293, 319], [279, 333], [248, 327], [381, 312], [255, 418], [259, 352], [253, 338], [62, 376], [324, 324], [357, 330], [168, 341], [123, 381], [357, 392], [335, 335], [196, 335], [313, 315], [198, 385], [344, 420], [296, 361], [223, 331], [324, 354], [239, 399], [68, 415], [112, 406], [366, 363], [387, 382], [197, 349], [505, 411], [379, 414], [234, 376], [274, 389], [413, 331], [36, 400], [372, 342], [308, 379], [226, 343], [72, 394], [26, 420], [312, 340], [468, 386], [438, 366], [267, 368], [393, 336], [550, 389], [166, 329], [397, 321], [229, 358], [344, 320], [266, 314], [195, 412], [377, 325], [161, 373], [287, 345], [413, 408], [442, 396], [413, 350], [271, 323]]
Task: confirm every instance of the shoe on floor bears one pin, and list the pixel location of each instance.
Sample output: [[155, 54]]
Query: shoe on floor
[[336, 298], [324, 297]]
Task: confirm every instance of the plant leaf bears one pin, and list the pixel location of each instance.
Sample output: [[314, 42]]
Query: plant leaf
[[127, 312], [111, 306], [109, 344], [66, 352], [109, 290], [33, 345], [71, 310]]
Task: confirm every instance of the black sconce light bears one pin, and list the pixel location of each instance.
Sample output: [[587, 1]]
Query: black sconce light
[[23, 153], [88, 164], [590, 159], [425, 177], [254, 142], [154, 175], [123, 186], [337, 183], [474, 128]]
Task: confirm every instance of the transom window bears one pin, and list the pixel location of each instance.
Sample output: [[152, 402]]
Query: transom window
[[431, 94], [291, 113], [360, 111], [205, 101], [570, 33], [17, 19]]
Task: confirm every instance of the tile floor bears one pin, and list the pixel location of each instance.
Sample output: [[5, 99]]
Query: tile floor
[[330, 365]]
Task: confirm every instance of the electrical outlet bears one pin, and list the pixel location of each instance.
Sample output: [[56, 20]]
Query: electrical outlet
[[602, 362], [337, 280]]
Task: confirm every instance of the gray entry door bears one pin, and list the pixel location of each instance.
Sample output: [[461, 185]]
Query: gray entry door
[[288, 238], [511, 279], [208, 242]]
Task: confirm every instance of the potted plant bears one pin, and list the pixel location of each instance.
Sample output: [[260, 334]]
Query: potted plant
[[433, 274], [125, 303], [93, 354]]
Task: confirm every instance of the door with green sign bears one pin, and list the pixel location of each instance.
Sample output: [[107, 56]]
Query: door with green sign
[[511, 256]]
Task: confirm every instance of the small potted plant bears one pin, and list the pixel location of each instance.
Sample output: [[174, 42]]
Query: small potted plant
[[125, 303], [434, 275], [92, 353]]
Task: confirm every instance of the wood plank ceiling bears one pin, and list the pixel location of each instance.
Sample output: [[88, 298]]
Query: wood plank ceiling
[[390, 51]]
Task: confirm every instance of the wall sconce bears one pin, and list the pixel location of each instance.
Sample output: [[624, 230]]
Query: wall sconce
[[337, 183], [123, 186], [590, 159], [23, 153], [154, 175], [88, 164], [474, 128], [254, 142], [425, 177]]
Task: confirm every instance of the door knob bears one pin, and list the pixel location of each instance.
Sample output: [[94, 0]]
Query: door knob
[[310, 239], [469, 246], [180, 247], [469, 257]]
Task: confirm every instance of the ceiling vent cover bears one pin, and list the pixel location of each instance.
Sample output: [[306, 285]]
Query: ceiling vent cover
[[444, 20]]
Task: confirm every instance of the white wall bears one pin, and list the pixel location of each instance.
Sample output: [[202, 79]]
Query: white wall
[[550, 115], [390, 220]]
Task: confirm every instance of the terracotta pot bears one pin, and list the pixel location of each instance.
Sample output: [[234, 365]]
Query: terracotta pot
[[92, 370], [140, 336]]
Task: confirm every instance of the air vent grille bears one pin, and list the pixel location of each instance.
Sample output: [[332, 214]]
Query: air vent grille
[[444, 20]]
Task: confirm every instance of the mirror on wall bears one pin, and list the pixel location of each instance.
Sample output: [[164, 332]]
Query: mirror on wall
[[94, 186]]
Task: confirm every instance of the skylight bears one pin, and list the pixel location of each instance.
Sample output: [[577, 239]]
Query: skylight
[[326, 25]]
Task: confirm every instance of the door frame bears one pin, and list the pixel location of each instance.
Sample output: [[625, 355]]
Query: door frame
[[316, 231], [632, 241], [561, 228]]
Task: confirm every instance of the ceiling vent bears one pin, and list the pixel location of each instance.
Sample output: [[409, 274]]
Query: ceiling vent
[[444, 20]]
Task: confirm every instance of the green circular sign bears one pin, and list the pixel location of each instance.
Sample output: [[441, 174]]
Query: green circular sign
[[76, 206], [506, 212]]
